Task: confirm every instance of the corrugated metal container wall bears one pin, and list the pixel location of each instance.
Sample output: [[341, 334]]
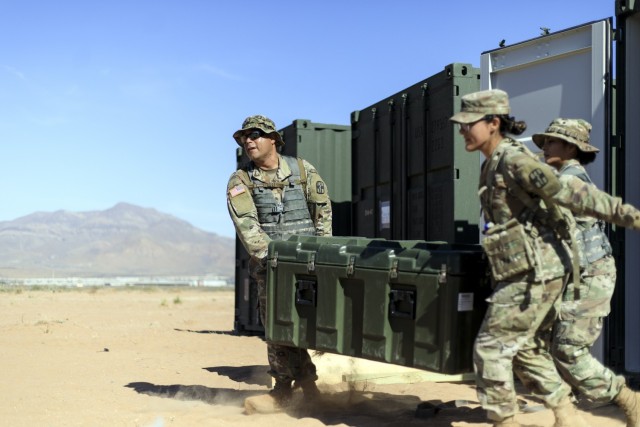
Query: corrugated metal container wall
[[328, 148], [405, 147], [246, 315]]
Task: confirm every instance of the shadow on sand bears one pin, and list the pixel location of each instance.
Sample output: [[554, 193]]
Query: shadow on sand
[[214, 396], [347, 407], [347, 404], [253, 374]]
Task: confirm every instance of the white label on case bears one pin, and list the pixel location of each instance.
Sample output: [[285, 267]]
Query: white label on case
[[465, 301]]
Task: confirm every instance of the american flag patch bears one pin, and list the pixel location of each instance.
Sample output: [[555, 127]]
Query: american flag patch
[[236, 190]]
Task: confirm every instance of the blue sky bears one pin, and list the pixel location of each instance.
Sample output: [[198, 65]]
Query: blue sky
[[135, 101]]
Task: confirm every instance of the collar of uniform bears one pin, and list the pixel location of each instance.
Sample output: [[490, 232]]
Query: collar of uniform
[[284, 171], [569, 163]]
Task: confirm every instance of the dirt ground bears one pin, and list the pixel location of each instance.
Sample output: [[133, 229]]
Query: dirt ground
[[157, 357]]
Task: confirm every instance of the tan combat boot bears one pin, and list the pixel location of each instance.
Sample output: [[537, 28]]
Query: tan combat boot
[[275, 401], [507, 422], [629, 402], [567, 415]]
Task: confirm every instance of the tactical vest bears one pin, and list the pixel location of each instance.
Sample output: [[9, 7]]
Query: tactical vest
[[291, 216], [531, 211], [592, 241]]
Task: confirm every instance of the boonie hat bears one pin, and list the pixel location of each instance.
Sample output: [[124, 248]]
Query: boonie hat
[[263, 123], [476, 105], [573, 131]]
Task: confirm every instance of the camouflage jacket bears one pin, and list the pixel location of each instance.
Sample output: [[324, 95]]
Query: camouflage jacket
[[514, 184], [244, 214], [568, 191], [583, 198], [508, 191]]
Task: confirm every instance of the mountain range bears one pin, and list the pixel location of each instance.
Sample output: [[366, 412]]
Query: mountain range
[[125, 240]]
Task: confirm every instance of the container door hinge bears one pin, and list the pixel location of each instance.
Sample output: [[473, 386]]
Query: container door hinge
[[617, 35], [351, 266], [616, 142], [393, 273], [311, 264], [274, 260], [442, 277]]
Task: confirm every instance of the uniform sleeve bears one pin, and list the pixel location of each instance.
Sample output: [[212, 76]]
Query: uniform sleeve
[[583, 198], [318, 201], [532, 175], [244, 215], [580, 197]]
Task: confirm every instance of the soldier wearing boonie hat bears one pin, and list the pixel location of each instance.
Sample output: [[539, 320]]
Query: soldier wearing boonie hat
[[259, 122], [573, 131], [271, 198], [566, 146]]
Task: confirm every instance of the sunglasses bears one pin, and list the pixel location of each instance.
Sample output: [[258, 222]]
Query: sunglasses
[[253, 135]]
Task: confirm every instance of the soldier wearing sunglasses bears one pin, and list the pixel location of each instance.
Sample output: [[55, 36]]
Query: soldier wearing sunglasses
[[270, 198]]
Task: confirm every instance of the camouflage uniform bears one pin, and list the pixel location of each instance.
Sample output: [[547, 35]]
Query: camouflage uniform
[[521, 195], [286, 363], [584, 307], [514, 336]]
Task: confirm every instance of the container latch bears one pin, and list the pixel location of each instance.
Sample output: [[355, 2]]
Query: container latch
[[393, 273], [311, 264], [274, 260], [351, 266]]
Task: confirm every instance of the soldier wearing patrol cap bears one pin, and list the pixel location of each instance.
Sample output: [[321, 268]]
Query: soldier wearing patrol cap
[[271, 198], [526, 241], [566, 146]]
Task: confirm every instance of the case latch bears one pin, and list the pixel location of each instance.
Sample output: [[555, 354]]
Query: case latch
[[311, 264], [351, 266], [393, 273]]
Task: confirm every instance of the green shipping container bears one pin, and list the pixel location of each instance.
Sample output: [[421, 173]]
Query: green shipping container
[[410, 303], [410, 165], [328, 148]]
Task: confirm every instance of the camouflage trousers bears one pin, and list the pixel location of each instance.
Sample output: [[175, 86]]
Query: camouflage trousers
[[515, 337], [285, 363], [579, 326]]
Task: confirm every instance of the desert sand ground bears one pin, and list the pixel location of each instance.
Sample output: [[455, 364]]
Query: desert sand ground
[[157, 357]]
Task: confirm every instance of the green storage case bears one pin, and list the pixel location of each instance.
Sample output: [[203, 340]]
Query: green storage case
[[410, 303]]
